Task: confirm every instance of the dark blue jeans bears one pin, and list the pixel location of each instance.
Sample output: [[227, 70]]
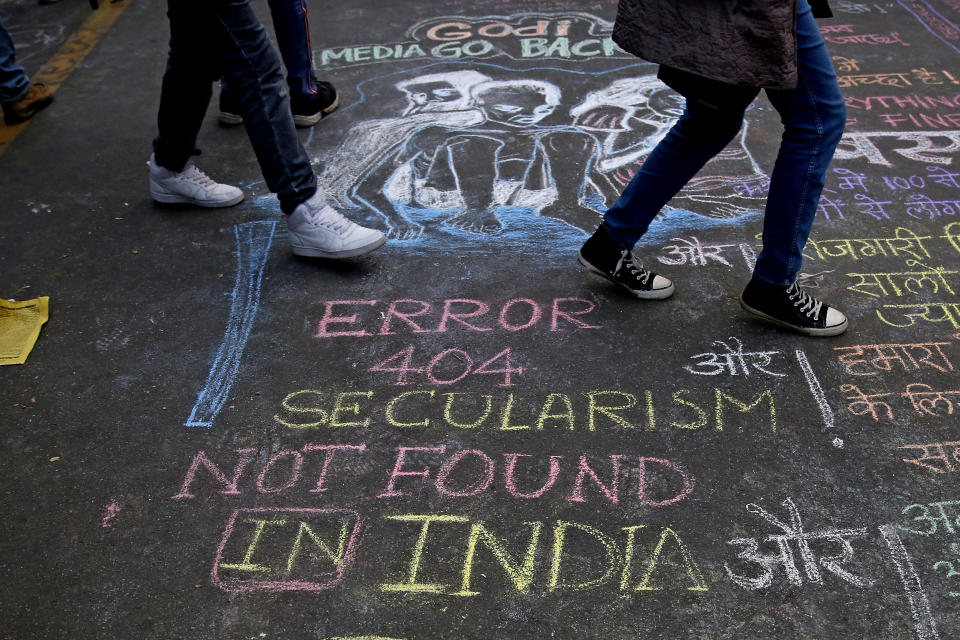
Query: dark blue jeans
[[14, 82], [293, 39], [813, 115], [214, 38]]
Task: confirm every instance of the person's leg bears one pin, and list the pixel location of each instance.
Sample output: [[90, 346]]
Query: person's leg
[[252, 68], [20, 98], [694, 139], [186, 88], [697, 136], [293, 39], [14, 82], [310, 100], [813, 116]]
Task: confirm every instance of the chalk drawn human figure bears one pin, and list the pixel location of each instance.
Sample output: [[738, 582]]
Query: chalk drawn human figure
[[634, 115], [496, 162], [439, 99]]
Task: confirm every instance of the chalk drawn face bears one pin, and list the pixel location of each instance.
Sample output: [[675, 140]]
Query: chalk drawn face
[[432, 96], [516, 104], [438, 92]]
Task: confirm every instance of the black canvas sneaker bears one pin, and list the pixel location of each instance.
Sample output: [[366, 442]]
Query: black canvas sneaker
[[792, 308], [604, 256], [309, 110]]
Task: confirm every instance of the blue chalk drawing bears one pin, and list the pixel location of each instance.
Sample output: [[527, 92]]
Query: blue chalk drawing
[[253, 247], [909, 6]]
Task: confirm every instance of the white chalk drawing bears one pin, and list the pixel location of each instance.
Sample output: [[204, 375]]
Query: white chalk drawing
[[635, 114], [793, 535], [469, 145], [730, 359]]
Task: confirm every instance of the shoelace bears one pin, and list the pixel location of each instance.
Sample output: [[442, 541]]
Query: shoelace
[[806, 303], [330, 218], [194, 175], [637, 270]]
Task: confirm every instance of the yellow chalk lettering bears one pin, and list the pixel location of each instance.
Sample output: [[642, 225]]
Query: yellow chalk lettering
[[411, 585], [391, 419], [335, 557], [744, 408], [521, 573], [559, 539], [651, 415], [628, 555], [701, 420], [693, 571], [247, 563], [545, 412], [288, 403], [505, 422], [447, 412], [354, 408], [608, 410]]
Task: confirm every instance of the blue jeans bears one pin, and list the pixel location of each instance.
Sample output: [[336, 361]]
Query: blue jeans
[[215, 38], [14, 82], [293, 38], [813, 115]]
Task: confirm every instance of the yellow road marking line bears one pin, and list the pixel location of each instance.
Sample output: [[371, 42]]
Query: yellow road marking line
[[59, 67]]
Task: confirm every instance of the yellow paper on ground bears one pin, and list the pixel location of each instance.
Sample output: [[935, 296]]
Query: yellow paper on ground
[[20, 324]]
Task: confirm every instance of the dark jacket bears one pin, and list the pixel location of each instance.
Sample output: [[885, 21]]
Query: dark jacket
[[744, 42]]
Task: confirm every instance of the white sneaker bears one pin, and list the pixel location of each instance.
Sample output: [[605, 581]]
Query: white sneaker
[[318, 230], [190, 186]]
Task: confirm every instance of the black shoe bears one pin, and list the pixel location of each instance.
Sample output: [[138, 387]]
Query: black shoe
[[792, 308], [308, 110], [229, 110], [604, 256]]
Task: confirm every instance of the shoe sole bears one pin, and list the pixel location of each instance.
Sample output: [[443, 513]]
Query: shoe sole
[[37, 107], [311, 252], [172, 198], [309, 121], [813, 332], [653, 294], [229, 119]]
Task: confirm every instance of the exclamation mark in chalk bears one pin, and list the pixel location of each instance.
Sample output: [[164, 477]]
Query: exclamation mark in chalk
[[818, 395]]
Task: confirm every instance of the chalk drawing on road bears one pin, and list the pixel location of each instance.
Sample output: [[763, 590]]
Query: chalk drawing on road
[[491, 153], [919, 604], [253, 246]]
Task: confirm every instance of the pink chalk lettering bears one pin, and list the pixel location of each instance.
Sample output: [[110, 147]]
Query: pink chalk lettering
[[261, 580], [612, 494], [394, 312], [557, 313], [328, 319], [295, 468], [391, 489], [459, 355], [535, 314], [688, 482], [109, 513], [481, 308], [483, 482], [230, 485], [511, 482], [331, 451]]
